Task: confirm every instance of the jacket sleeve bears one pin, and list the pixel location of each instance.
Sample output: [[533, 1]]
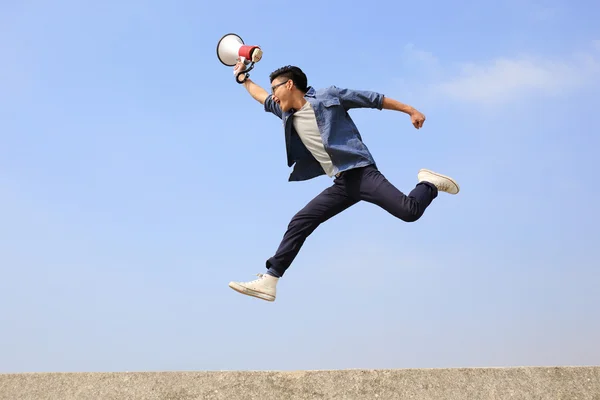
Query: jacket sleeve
[[350, 98], [272, 107]]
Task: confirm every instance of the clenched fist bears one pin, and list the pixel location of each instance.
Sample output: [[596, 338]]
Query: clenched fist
[[417, 118]]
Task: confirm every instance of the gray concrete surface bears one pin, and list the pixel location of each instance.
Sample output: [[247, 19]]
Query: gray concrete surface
[[523, 383]]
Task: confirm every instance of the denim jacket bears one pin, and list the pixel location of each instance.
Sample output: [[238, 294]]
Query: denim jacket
[[341, 138]]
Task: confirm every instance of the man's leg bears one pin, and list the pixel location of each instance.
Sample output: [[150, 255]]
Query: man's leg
[[324, 206], [327, 204], [376, 189]]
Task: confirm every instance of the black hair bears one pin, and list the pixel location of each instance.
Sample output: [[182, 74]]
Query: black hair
[[293, 73]]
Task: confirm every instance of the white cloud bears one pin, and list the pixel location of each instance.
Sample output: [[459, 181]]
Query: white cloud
[[504, 79]]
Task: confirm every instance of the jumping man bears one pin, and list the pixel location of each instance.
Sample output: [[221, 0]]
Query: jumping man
[[321, 138]]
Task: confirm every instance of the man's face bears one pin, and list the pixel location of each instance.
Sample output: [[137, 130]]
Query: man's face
[[282, 94]]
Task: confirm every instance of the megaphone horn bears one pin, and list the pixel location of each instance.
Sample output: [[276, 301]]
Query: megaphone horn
[[231, 49]]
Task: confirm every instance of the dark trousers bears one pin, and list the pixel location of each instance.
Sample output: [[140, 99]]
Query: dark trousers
[[352, 186]]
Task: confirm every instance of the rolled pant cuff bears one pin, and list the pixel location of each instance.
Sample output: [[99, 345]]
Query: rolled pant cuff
[[272, 265], [434, 188]]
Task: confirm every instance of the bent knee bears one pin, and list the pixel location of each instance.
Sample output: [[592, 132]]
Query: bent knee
[[409, 216]]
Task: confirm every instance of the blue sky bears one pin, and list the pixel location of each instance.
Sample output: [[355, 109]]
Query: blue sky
[[137, 179]]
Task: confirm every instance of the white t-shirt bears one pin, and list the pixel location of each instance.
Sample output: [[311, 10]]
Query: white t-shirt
[[305, 124]]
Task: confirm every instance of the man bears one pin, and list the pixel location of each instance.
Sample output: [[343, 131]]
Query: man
[[321, 138]]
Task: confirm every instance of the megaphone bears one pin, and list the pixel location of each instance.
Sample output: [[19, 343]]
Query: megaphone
[[231, 49]]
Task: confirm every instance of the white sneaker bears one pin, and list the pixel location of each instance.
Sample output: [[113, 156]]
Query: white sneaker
[[265, 287], [443, 183]]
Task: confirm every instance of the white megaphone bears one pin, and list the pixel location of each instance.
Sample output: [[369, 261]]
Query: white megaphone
[[231, 49]]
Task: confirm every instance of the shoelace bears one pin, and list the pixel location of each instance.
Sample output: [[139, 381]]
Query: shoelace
[[260, 277]]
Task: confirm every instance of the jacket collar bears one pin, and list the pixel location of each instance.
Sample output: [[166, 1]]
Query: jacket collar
[[310, 92]]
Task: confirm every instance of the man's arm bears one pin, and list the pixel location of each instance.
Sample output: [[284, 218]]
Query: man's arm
[[261, 95], [351, 98], [369, 99], [395, 105], [416, 117], [258, 93]]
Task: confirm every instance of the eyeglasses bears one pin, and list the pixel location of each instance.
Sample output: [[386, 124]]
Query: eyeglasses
[[279, 84]]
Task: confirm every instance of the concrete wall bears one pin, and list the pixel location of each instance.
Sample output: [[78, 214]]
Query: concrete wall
[[545, 383]]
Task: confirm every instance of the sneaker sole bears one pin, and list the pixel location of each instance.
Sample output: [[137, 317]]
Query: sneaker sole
[[249, 292], [444, 177]]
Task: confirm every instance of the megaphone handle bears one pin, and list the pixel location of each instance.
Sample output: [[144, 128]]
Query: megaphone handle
[[244, 72], [237, 77]]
